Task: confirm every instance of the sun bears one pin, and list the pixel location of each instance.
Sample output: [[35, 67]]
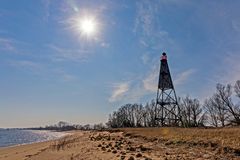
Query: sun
[[87, 26]]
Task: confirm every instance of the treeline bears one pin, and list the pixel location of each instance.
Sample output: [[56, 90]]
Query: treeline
[[65, 126], [221, 109]]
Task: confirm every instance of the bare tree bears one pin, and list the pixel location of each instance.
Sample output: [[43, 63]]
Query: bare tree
[[211, 113], [133, 115], [185, 111], [219, 110], [112, 120], [138, 112], [224, 93], [144, 115], [237, 91], [216, 110], [151, 114], [99, 126], [237, 88], [197, 113], [191, 112]]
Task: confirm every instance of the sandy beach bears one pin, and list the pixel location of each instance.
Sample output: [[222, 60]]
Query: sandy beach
[[129, 144]]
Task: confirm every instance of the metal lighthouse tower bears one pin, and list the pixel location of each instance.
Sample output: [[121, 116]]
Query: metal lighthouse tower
[[167, 109]]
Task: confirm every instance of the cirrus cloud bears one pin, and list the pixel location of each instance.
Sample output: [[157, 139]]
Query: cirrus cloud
[[119, 91]]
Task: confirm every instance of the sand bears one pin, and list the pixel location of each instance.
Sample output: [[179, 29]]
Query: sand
[[75, 146], [123, 144]]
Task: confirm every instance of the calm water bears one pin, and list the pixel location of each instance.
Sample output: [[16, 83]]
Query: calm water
[[16, 137]]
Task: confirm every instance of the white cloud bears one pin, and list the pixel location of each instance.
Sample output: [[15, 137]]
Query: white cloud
[[142, 42], [151, 80], [127, 92], [119, 91], [134, 90], [145, 17], [137, 92], [182, 77]]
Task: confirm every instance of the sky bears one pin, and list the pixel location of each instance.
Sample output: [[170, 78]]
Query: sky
[[52, 70]]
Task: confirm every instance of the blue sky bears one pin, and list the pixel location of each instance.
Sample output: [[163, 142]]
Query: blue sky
[[50, 71]]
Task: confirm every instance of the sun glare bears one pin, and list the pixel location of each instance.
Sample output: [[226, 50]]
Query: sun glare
[[87, 26]]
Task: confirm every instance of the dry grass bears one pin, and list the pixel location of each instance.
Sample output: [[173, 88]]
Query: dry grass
[[223, 137]]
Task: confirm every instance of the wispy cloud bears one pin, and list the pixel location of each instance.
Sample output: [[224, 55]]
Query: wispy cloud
[[105, 45], [225, 72], [119, 90], [236, 25], [68, 77], [182, 77], [143, 43], [7, 44], [145, 17], [145, 58], [27, 65], [149, 27], [11, 45], [151, 79], [64, 75], [63, 54], [46, 6], [228, 71], [42, 70], [134, 90]]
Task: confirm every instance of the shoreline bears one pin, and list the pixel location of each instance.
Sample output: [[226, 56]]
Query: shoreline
[[64, 133], [131, 144]]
